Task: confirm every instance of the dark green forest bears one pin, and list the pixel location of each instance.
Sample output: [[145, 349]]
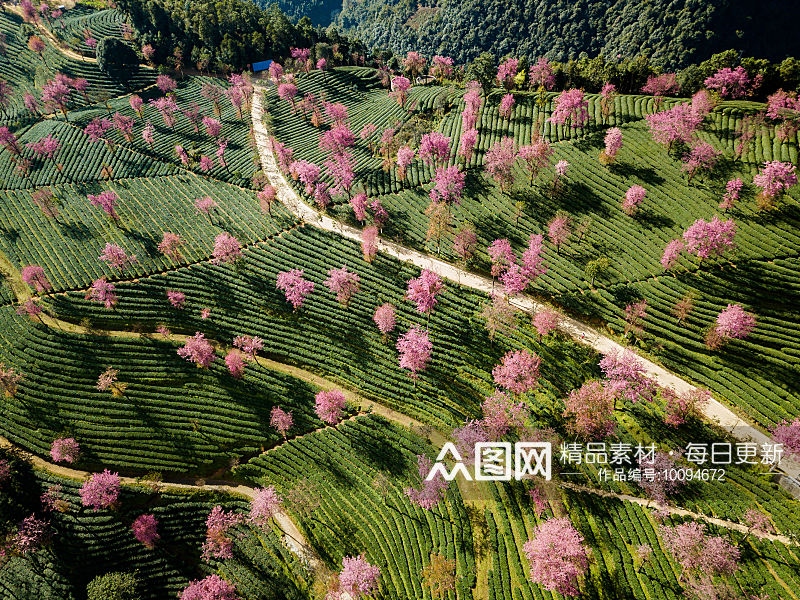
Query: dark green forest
[[672, 33]]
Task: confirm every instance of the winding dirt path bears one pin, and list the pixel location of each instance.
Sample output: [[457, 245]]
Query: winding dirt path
[[715, 411]]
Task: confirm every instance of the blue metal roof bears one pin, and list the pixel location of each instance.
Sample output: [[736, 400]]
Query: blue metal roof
[[261, 66]]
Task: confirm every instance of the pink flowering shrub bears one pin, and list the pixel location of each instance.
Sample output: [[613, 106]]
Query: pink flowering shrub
[[518, 372], [212, 587], [294, 286], [572, 108], [35, 277], [431, 491], [145, 530], [557, 555], [415, 349], [633, 198], [101, 490], [65, 450], [329, 406], [343, 283], [734, 322], [198, 350], [265, 505], [385, 318], [281, 420], [705, 239]]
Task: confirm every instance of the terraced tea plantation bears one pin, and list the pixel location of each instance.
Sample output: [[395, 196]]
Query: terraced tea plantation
[[237, 336]]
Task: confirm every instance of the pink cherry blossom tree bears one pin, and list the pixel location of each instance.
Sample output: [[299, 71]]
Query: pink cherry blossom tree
[[116, 257], [572, 108], [170, 246], [358, 578], [633, 198], [471, 433], [442, 67], [501, 256], [45, 148], [251, 346], [677, 124], [265, 505], [227, 249], [145, 530], [448, 185], [662, 85], [384, 318], [400, 87], [107, 200], [506, 72], [557, 555], [329, 406], [235, 363], [657, 481], [541, 74], [423, 291], [218, 543], [35, 277], [205, 205], [701, 158], [733, 189], [198, 350], [343, 283], [405, 157], [607, 95], [705, 239], [500, 159], [533, 258], [590, 409], [65, 450], [102, 291], [467, 144], [465, 243], [369, 242], [166, 84], [295, 287], [625, 375], [545, 322], [213, 126], [680, 408], [281, 420], [434, 148], [774, 179], [101, 490], [212, 587], [431, 491], [56, 93], [701, 556], [671, 253], [734, 323], [518, 371], [415, 350], [559, 230], [788, 434], [613, 143], [506, 107], [32, 533], [731, 83], [501, 414], [536, 157]]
